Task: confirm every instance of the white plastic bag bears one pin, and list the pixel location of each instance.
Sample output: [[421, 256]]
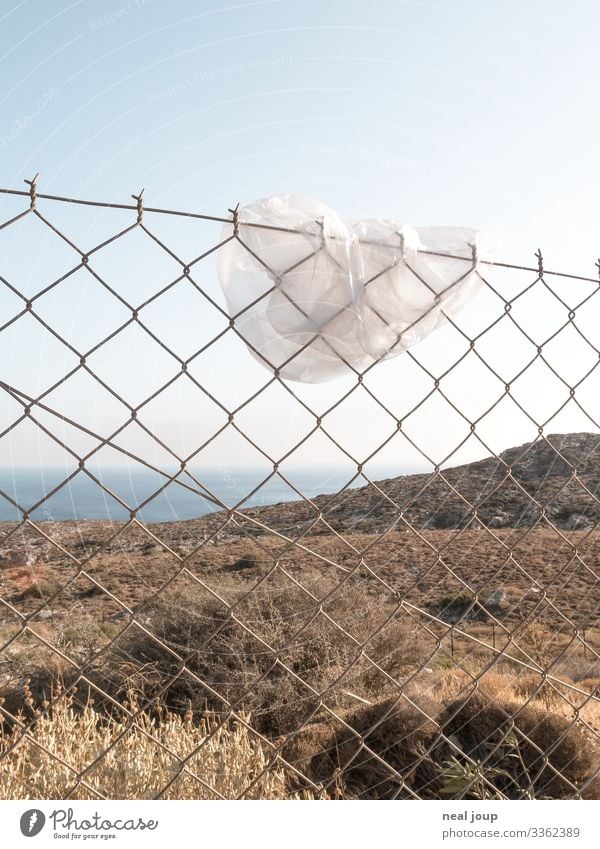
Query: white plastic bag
[[312, 295]]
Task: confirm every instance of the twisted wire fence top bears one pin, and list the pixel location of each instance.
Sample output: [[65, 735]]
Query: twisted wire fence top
[[430, 635]]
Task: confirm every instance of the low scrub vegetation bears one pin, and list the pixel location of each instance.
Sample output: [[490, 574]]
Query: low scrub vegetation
[[482, 745], [360, 700]]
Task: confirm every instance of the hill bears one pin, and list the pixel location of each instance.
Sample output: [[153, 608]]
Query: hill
[[553, 481], [556, 479]]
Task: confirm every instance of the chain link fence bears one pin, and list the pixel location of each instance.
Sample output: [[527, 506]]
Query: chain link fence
[[216, 583]]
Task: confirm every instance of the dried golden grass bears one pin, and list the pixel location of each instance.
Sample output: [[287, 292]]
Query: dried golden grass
[[145, 763]]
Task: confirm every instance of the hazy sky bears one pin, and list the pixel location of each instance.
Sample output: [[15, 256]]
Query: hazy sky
[[459, 113]]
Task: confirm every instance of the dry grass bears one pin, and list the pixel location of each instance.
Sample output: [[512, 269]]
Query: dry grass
[[144, 761], [442, 737], [292, 646]]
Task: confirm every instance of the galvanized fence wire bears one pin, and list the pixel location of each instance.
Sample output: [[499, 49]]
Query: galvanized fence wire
[[473, 640]]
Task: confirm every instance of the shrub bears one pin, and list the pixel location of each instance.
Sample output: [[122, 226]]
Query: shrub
[[398, 749], [455, 603], [42, 588], [521, 752], [461, 598], [249, 560], [253, 658]]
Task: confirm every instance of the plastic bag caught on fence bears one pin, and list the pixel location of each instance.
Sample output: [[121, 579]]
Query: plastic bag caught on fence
[[313, 295]]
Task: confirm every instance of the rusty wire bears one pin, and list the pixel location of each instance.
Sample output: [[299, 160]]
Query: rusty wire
[[506, 643]]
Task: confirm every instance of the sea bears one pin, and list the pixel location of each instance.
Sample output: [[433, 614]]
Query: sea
[[44, 494]]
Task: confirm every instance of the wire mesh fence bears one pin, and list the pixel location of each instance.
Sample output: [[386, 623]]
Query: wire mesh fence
[[223, 584]]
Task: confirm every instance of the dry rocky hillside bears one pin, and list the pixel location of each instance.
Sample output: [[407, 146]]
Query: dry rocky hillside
[[557, 477]]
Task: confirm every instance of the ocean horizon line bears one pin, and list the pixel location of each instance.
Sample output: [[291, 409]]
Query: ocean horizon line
[[121, 489]]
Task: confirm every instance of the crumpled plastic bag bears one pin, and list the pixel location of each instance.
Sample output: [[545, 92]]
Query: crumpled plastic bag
[[313, 295]]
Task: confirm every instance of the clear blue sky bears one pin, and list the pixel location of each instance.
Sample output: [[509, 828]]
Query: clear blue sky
[[459, 112], [480, 113]]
